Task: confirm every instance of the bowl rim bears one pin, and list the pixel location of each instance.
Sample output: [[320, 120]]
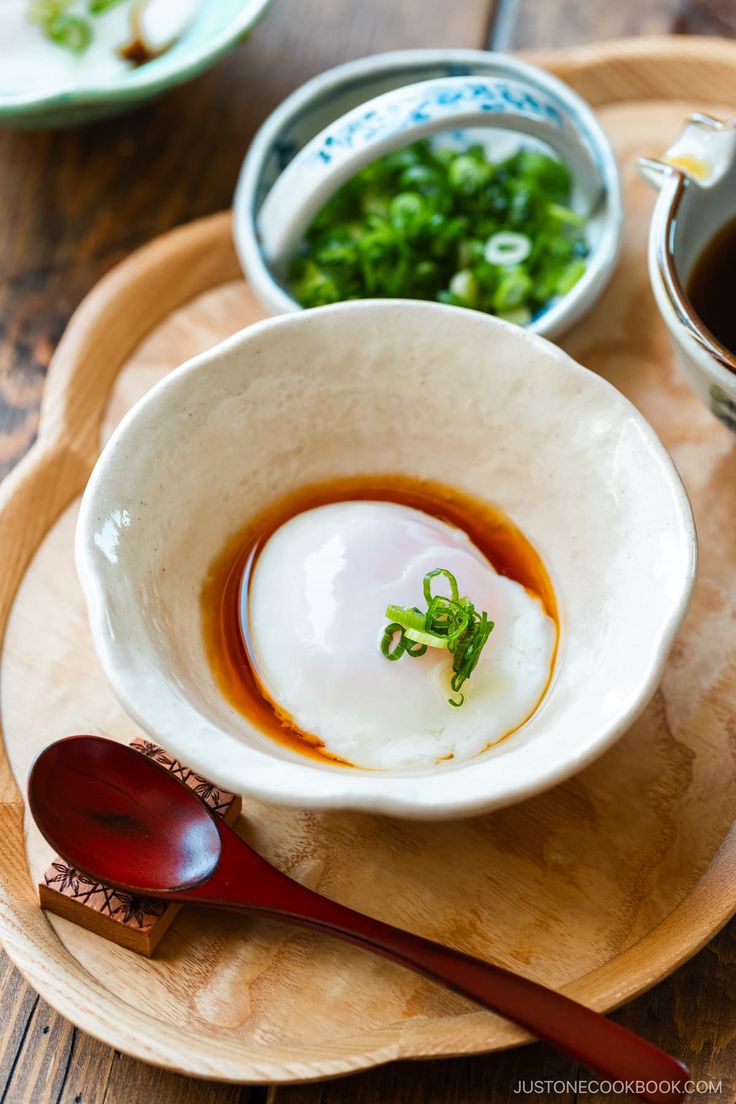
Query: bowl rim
[[143, 81], [424, 795], [553, 321], [715, 361]]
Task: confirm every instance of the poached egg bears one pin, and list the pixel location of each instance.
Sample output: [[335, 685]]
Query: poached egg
[[313, 610]]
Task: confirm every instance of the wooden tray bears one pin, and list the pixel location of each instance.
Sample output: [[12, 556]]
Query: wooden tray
[[599, 887]]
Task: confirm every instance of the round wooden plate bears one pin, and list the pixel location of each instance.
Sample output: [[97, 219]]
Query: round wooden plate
[[599, 887]]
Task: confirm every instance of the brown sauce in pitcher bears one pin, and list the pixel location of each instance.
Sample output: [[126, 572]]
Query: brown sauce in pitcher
[[711, 288], [497, 537]]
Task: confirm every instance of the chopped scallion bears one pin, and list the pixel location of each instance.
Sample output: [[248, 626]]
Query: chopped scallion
[[67, 27], [507, 248], [398, 650], [449, 622], [433, 222], [70, 31]]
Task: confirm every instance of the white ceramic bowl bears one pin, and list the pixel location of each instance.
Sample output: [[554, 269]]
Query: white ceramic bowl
[[351, 389], [332, 95]]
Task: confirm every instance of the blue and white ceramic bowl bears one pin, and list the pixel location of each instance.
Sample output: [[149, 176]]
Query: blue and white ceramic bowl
[[282, 182], [218, 26]]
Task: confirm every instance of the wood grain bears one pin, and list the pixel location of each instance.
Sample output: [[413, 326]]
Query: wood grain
[[132, 1081], [88, 1071], [528, 913], [713, 17], [537, 873], [74, 202], [54, 1061], [40, 1068], [72, 205], [18, 1002], [535, 25], [705, 1033]]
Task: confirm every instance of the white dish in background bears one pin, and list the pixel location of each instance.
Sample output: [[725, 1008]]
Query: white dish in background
[[351, 389], [318, 106], [70, 89]]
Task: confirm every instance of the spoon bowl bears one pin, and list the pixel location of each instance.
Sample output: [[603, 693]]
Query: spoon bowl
[[105, 816], [122, 819]]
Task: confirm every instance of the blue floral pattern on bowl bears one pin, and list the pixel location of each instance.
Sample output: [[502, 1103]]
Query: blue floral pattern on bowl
[[332, 95], [500, 98]]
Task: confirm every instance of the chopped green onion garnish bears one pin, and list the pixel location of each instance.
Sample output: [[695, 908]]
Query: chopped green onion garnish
[[407, 618], [507, 248], [520, 316], [97, 7], [43, 11], [433, 222], [448, 622], [427, 587], [387, 639], [429, 639], [414, 624], [70, 31]]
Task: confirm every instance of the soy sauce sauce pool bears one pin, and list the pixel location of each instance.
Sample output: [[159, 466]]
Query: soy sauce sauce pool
[[493, 533], [712, 286]]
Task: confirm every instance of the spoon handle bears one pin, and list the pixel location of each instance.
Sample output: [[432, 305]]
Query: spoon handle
[[611, 1050]]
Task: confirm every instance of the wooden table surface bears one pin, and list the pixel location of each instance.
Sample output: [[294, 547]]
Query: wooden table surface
[[72, 204]]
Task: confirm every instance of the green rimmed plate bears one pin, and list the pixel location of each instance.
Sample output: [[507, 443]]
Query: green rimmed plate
[[218, 27]]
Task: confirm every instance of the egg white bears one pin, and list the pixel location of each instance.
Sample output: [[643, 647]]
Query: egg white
[[316, 611]]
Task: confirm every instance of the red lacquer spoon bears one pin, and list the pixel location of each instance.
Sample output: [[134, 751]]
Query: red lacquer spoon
[[122, 819]]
